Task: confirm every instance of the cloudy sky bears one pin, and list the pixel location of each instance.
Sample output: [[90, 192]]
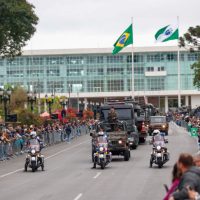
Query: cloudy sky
[[65, 24]]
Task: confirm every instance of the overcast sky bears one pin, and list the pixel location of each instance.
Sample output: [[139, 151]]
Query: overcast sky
[[65, 24]]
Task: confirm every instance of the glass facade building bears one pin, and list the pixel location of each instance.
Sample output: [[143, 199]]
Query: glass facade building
[[95, 73]]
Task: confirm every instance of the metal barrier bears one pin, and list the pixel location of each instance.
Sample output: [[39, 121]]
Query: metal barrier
[[18, 146]]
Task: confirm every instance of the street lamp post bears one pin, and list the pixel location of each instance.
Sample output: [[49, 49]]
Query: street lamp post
[[4, 98], [63, 102], [31, 99], [49, 101]]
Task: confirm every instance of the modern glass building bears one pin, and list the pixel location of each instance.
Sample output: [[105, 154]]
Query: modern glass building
[[95, 74]]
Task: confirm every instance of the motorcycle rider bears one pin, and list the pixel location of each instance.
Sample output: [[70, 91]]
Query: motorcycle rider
[[35, 138], [102, 136], [158, 136]]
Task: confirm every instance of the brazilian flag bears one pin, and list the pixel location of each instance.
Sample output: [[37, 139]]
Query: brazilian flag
[[124, 40]]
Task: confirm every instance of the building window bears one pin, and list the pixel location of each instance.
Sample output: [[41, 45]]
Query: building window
[[171, 57], [155, 84], [150, 69], [137, 58], [155, 57], [94, 71], [75, 60], [114, 59], [113, 70], [115, 85], [53, 72], [34, 60], [75, 72], [95, 85], [161, 69], [193, 56]]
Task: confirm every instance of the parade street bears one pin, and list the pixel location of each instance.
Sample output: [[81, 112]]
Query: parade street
[[68, 174]]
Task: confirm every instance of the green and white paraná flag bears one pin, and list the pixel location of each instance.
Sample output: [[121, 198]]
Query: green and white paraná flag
[[124, 40], [167, 33]]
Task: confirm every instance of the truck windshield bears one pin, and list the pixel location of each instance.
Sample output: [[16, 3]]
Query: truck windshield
[[158, 119], [122, 113]]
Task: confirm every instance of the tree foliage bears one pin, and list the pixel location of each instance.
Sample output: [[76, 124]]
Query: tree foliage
[[191, 41], [17, 25], [18, 98]]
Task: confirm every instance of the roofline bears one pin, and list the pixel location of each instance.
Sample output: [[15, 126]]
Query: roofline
[[100, 50]]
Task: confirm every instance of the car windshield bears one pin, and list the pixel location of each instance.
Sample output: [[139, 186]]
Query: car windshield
[[122, 113], [158, 119], [109, 127]]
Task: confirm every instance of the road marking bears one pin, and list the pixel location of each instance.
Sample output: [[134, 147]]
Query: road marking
[[10, 173], [97, 175], [79, 196], [69, 148]]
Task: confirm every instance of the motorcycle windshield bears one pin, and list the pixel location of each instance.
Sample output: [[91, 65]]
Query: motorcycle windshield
[[159, 143], [34, 144]]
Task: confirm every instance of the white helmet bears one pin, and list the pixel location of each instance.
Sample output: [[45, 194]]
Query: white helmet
[[100, 133], [33, 134], [156, 132]]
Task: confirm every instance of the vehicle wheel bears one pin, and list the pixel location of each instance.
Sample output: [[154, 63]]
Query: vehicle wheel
[[142, 140], [126, 155], [151, 162], [102, 165], [134, 146], [34, 167], [25, 167]]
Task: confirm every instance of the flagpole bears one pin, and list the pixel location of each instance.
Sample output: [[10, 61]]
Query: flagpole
[[132, 71], [179, 70]]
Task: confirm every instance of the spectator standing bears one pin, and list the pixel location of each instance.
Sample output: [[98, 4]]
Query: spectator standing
[[190, 177]]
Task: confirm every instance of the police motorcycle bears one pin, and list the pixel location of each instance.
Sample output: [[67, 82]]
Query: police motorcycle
[[102, 156], [34, 158], [159, 155]]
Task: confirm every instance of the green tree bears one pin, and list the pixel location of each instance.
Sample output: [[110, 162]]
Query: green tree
[[18, 99], [191, 41], [17, 26]]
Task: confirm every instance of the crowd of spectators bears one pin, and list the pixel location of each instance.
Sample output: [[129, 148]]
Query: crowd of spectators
[[13, 140]]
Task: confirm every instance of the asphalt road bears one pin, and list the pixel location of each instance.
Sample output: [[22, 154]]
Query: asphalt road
[[68, 174]]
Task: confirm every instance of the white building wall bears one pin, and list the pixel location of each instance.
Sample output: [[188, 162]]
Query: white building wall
[[195, 101]]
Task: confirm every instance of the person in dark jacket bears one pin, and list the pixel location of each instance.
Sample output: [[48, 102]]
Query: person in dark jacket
[[68, 131], [190, 177]]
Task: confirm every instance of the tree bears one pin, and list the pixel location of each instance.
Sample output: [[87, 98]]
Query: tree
[[18, 99], [191, 41], [17, 26]]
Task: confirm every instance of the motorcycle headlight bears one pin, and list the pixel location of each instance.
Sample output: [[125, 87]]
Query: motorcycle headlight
[[33, 151], [120, 142], [101, 149], [163, 126], [158, 148]]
